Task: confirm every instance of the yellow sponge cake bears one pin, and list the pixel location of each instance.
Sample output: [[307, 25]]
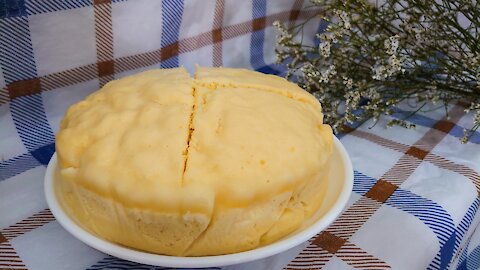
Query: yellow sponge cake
[[220, 163]]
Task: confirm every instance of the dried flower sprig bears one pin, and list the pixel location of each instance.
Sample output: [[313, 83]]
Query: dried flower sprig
[[372, 57]]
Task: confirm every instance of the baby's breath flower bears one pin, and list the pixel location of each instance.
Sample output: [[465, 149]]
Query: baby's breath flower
[[371, 57], [372, 94], [379, 73], [348, 82], [394, 65], [284, 36], [391, 44], [310, 73], [476, 117], [324, 49], [327, 74], [345, 20], [464, 138], [402, 123]]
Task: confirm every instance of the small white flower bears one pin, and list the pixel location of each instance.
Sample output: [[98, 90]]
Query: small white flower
[[348, 82], [394, 65], [322, 37], [310, 73], [391, 44], [380, 73], [334, 39], [373, 95], [473, 60], [324, 49], [476, 117], [346, 20], [284, 36], [327, 74]]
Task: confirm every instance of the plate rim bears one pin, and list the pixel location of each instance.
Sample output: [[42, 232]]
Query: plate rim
[[138, 256]]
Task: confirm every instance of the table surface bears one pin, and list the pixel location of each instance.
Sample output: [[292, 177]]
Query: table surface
[[415, 198]]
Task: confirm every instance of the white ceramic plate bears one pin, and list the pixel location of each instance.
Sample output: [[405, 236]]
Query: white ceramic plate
[[339, 189]]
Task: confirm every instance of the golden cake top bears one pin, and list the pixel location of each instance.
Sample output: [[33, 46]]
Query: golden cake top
[[161, 140]]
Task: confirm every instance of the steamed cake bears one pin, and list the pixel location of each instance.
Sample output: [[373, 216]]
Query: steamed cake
[[220, 163]]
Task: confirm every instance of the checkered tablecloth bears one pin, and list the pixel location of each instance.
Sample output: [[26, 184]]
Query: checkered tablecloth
[[415, 198]]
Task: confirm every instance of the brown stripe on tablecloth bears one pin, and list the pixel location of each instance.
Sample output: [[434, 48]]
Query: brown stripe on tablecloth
[[169, 51], [347, 129], [236, 30], [312, 257], [285, 16], [434, 136], [239, 29], [464, 103], [137, 61], [37, 220], [2, 238], [103, 29], [358, 258], [337, 234], [217, 33], [381, 191], [444, 163], [4, 95], [416, 152], [400, 147], [104, 40], [405, 166], [414, 155], [193, 43], [9, 258], [69, 77], [259, 24], [232, 31], [315, 257], [444, 126], [395, 175], [329, 242], [295, 12], [105, 68], [428, 141], [425, 144], [355, 216], [24, 88]]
